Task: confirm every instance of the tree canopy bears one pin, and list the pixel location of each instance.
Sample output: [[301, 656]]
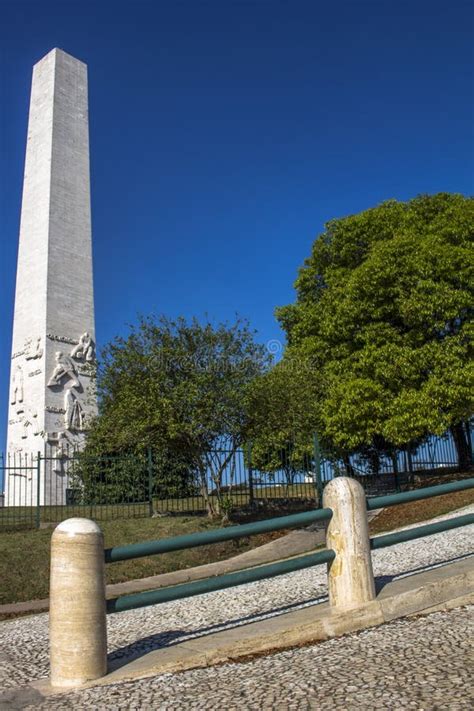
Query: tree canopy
[[384, 312], [379, 357], [182, 388], [282, 414]]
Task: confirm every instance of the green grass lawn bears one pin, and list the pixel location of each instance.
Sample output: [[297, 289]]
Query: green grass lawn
[[24, 555]]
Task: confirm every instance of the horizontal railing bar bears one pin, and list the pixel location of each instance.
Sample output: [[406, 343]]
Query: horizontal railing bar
[[429, 529], [219, 582], [192, 540], [379, 502]]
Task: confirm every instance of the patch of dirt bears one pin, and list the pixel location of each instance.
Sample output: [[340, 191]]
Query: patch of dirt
[[416, 511]]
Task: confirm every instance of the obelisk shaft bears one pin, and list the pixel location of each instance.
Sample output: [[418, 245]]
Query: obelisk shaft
[[53, 348]]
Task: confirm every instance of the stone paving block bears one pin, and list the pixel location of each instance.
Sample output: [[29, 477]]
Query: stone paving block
[[412, 594]]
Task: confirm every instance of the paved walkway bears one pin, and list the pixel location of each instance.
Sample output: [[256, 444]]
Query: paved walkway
[[423, 663], [420, 663]]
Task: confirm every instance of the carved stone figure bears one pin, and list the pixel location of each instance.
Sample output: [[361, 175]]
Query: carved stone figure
[[84, 349], [17, 385], [29, 419], [74, 415], [59, 454], [33, 348], [64, 368]]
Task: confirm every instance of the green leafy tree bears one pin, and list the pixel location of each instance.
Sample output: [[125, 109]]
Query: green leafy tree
[[385, 311], [130, 477], [180, 388], [282, 405]]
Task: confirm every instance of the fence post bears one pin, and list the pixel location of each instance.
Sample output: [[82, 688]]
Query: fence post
[[350, 576], [469, 440], [77, 623], [38, 491], [317, 470], [410, 466], [249, 455], [395, 471], [150, 480]]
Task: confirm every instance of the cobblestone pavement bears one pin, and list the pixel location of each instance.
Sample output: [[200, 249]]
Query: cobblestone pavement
[[419, 659], [423, 663]]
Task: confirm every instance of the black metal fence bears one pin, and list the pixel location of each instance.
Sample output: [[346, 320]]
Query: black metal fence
[[50, 486]]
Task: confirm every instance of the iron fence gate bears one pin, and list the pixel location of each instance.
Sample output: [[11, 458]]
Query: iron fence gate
[[47, 487]]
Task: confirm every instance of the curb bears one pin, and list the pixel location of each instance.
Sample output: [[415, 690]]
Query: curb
[[439, 589]]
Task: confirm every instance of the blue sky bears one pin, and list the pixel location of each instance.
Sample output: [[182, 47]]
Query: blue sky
[[224, 134]]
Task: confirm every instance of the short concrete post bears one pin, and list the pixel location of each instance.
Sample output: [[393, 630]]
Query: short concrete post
[[350, 576], [77, 621]]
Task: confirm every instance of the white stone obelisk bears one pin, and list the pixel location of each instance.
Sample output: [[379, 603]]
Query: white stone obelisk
[[53, 349]]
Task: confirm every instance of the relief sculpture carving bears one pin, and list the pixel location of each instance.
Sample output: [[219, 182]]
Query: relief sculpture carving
[[64, 368], [17, 385], [33, 348], [84, 349], [74, 414], [28, 420], [60, 454]]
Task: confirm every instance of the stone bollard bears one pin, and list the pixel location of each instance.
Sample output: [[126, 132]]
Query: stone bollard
[[77, 621], [350, 576]]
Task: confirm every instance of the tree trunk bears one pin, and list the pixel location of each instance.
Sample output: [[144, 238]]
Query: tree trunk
[[205, 494], [217, 472], [462, 446]]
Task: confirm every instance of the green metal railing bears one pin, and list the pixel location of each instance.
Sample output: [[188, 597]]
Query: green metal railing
[[177, 592], [429, 529], [138, 550], [380, 502], [220, 582], [410, 534]]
